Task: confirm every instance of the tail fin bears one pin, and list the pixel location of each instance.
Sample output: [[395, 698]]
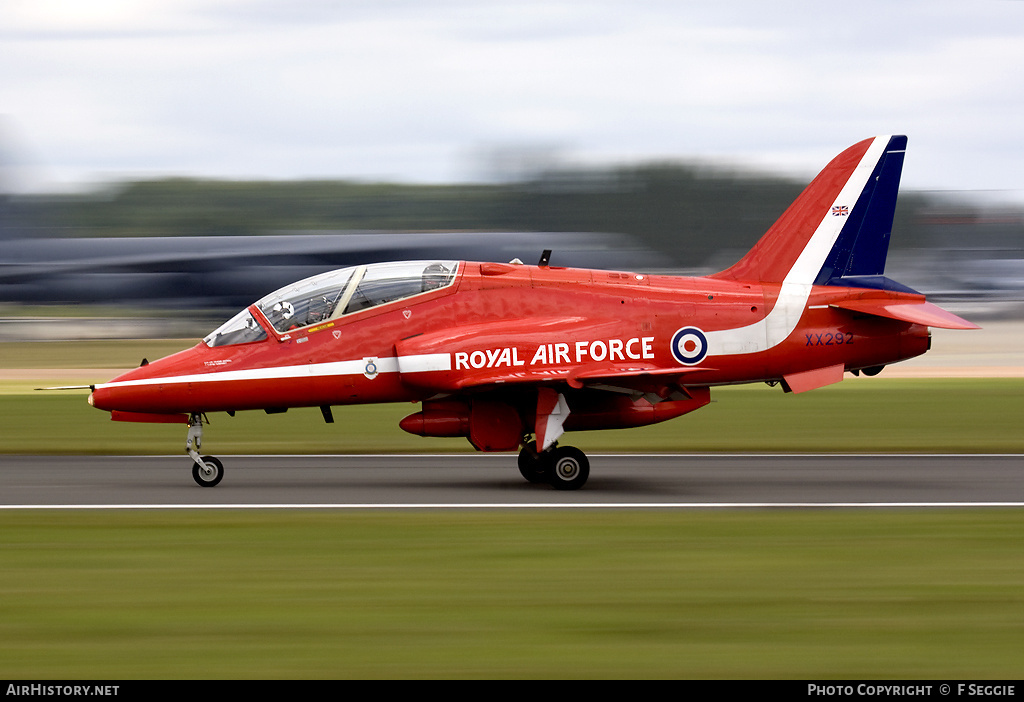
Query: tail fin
[[838, 227]]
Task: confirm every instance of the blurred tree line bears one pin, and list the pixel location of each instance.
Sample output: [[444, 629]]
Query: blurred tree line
[[693, 215]]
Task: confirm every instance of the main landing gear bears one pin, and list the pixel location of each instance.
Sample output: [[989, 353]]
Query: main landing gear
[[207, 471], [563, 467]]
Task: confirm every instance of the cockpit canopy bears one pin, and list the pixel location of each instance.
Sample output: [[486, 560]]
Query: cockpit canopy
[[335, 294]]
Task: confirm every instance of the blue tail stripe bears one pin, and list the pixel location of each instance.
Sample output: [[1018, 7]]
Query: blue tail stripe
[[863, 243]]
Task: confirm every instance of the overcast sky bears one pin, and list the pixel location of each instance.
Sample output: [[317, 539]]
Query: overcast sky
[[424, 91]]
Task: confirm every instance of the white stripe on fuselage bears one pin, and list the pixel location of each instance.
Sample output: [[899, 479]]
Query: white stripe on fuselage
[[404, 364], [796, 288]]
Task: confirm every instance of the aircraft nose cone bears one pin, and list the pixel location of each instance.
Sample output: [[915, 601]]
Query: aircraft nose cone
[[100, 398]]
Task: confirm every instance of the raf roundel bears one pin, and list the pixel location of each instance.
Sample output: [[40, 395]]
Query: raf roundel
[[689, 346]]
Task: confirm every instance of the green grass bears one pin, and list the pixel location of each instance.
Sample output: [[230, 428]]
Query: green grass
[[857, 415], [749, 594]]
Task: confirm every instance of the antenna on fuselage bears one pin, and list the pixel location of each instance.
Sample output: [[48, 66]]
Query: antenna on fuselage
[[545, 258]]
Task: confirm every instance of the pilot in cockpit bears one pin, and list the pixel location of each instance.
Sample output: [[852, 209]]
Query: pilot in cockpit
[[435, 276], [281, 314], [319, 310]]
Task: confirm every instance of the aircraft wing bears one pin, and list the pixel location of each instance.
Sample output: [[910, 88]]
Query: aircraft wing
[[613, 378]]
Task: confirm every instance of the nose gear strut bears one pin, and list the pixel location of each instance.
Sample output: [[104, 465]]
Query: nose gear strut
[[207, 471]]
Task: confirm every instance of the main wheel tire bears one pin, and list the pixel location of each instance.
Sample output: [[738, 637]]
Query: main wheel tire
[[532, 465], [570, 468], [209, 473]]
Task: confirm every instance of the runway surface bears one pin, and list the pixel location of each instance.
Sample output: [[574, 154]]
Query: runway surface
[[487, 480]]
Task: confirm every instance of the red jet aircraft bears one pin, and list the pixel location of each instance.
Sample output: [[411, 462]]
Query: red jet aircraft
[[510, 356]]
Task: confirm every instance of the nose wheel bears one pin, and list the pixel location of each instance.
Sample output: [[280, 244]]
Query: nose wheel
[[207, 471]]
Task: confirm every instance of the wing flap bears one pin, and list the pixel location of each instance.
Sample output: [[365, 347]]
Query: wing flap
[[812, 379]]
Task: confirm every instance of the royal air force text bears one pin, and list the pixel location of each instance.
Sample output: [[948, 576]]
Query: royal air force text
[[635, 349]]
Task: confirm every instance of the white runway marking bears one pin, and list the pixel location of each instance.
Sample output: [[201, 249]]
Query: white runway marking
[[555, 505]]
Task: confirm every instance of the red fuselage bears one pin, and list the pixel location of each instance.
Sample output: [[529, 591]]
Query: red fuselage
[[503, 324]]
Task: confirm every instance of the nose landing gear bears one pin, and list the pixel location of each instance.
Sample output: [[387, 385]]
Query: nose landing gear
[[207, 471]]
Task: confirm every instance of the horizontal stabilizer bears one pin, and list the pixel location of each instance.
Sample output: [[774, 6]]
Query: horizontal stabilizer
[[913, 311]]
